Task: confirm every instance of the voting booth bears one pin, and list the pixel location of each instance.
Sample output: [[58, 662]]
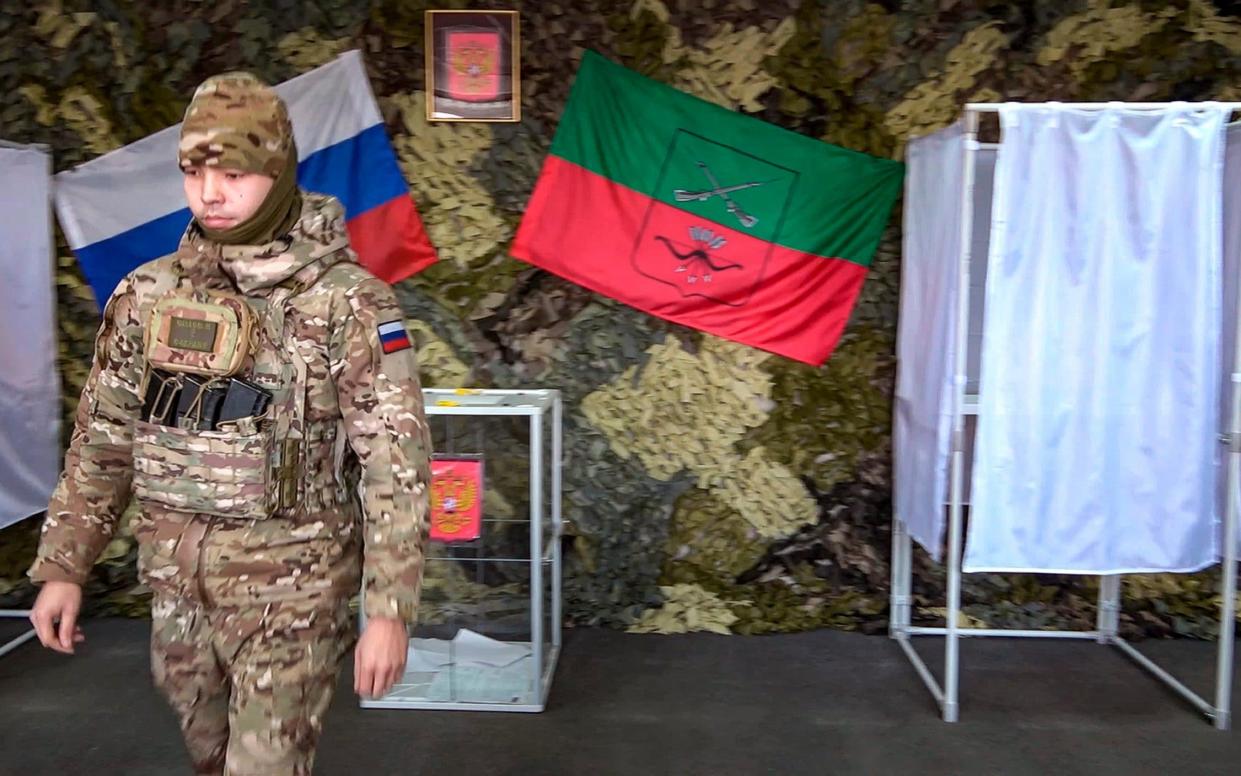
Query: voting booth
[[1068, 362]]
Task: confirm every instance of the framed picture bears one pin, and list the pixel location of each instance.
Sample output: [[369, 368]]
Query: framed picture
[[473, 66]]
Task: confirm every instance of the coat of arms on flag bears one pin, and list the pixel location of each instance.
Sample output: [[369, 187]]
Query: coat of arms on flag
[[706, 217], [717, 243]]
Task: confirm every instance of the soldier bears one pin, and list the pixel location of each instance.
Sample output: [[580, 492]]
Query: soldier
[[251, 532]]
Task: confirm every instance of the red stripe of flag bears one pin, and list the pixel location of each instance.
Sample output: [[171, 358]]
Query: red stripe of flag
[[782, 300], [392, 240]]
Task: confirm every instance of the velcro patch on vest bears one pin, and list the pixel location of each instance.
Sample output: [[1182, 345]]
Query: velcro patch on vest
[[393, 337]]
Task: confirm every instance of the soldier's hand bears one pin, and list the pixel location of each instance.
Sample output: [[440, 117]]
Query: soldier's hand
[[55, 616], [379, 659]]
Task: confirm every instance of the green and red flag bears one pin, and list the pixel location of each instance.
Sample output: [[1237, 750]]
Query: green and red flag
[[706, 217]]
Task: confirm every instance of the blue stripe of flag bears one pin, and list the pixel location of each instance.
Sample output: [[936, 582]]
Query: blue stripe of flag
[[106, 262], [362, 172]]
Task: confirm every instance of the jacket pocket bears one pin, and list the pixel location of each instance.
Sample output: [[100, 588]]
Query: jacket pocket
[[225, 473]]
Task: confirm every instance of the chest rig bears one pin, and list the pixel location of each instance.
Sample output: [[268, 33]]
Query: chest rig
[[277, 464]]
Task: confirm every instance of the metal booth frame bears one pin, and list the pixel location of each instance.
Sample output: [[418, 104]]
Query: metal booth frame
[[947, 695]]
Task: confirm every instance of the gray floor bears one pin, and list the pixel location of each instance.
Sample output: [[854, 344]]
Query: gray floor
[[815, 703]]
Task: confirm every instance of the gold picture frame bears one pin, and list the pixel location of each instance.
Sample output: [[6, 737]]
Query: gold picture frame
[[473, 66]]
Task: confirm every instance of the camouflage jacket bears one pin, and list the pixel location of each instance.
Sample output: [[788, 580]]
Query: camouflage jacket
[[364, 430]]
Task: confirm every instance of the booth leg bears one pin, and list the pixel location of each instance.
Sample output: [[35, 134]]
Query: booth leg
[[1108, 621], [898, 606], [1228, 599]]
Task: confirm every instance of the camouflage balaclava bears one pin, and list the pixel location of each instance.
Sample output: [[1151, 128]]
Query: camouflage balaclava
[[236, 121]]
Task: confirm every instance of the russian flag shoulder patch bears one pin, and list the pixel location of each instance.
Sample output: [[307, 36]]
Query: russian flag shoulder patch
[[393, 337]]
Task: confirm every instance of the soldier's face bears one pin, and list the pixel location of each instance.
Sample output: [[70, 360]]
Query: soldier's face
[[223, 198]]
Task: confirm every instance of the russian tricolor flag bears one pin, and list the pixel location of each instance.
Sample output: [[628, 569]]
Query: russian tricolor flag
[[127, 207], [393, 337]]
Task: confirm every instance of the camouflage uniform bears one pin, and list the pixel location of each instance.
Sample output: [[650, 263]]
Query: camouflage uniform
[[250, 616]]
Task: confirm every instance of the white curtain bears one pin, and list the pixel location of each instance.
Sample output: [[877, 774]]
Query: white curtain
[[926, 337], [1096, 442], [29, 386]]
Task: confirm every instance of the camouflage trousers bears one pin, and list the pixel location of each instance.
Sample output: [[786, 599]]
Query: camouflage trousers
[[249, 685]]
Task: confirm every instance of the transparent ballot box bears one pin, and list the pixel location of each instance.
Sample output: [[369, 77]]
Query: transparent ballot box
[[488, 631]]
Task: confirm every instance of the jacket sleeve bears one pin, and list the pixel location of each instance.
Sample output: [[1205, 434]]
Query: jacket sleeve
[[381, 405], [94, 487]]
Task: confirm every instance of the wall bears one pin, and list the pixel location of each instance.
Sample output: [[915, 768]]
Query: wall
[[764, 503]]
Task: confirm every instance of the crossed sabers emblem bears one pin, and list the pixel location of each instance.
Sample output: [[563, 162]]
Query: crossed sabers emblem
[[746, 220]]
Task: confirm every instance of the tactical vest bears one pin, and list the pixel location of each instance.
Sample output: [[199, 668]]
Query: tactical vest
[[256, 468]]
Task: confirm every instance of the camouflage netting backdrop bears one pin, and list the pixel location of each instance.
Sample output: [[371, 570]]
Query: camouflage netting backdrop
[[764, 502]]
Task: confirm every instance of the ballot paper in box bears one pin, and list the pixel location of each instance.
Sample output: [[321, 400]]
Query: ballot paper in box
[[469, 668]]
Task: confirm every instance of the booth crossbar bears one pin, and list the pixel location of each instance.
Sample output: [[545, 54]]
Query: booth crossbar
[[14, 643], [1105, 633], [996, 107], [1108, 618]]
